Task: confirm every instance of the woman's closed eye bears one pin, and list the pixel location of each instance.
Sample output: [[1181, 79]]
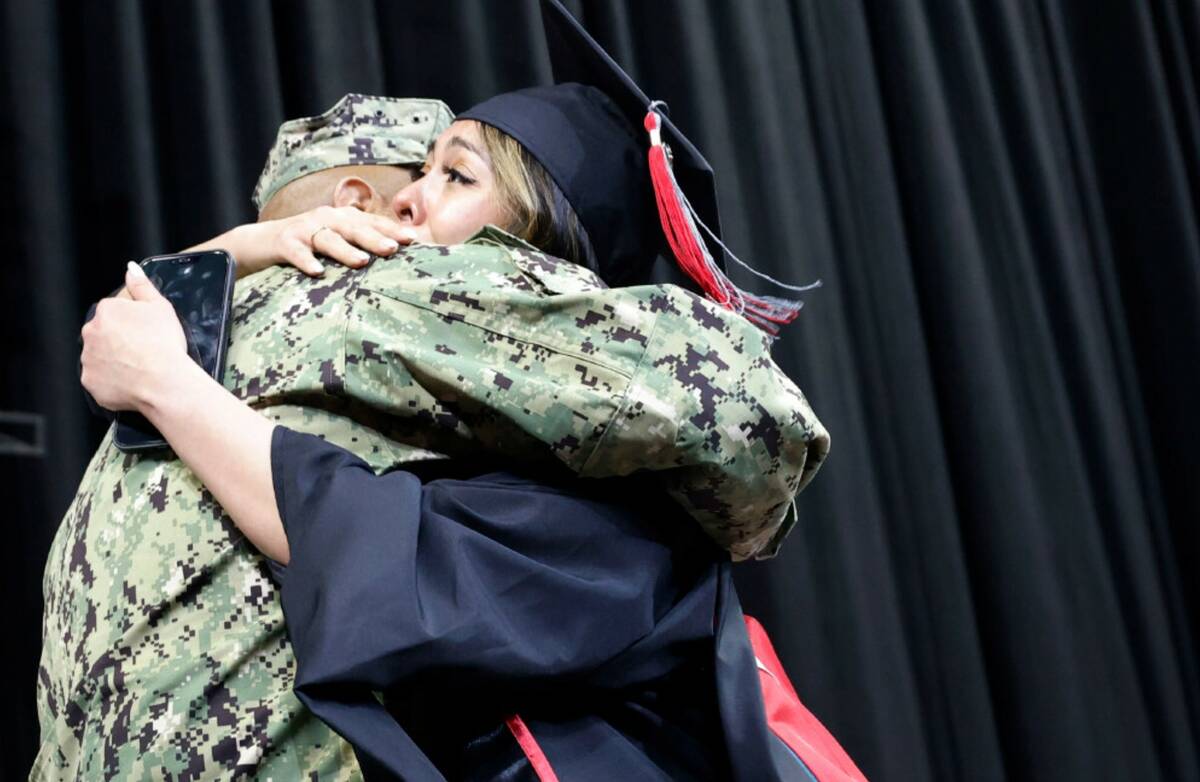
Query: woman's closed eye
[[455, 175]]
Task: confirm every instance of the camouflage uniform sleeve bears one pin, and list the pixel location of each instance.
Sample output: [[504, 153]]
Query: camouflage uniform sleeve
[[530, 357], [462, 350], [733, 435]]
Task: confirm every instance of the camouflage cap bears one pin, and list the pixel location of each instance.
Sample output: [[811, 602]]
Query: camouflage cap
[[357, 130]]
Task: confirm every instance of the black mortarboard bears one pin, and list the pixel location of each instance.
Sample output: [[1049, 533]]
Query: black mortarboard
[[595, 134], [598, 161]]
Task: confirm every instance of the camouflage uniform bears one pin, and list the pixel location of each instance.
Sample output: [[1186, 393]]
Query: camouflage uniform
[[165, 653]]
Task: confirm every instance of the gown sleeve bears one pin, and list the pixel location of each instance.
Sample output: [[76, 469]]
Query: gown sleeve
[[492, 581]]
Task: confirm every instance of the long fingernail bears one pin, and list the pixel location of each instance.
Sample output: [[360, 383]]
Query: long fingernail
[[362, 256], [135, 270], [390, 246], [316, 269]]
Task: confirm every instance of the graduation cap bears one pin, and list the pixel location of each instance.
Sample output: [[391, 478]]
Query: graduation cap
[[634, 180]]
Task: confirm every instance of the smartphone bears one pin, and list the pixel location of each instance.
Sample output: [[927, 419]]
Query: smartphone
[[200, 287]]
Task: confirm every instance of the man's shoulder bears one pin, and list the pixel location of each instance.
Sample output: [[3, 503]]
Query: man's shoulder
[[491, 260], [497, 274]]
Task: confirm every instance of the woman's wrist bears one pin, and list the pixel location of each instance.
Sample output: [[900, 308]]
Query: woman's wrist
[[173, 389], [248, 244]]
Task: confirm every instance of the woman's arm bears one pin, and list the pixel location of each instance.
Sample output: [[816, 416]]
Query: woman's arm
[[134, 358], [344, 234], [226, 444]]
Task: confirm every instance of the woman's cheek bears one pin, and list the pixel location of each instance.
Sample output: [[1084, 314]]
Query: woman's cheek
[[454, 226]]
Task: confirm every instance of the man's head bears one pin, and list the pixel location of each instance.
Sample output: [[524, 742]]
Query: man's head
[[368, 187], [358, 153]]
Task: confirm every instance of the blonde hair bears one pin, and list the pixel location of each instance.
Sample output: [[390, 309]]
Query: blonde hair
[[535, 207]]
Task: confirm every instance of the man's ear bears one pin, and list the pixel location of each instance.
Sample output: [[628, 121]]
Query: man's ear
[[354, 191]]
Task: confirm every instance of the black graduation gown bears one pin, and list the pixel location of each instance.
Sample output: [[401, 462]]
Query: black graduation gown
[[605, 619]]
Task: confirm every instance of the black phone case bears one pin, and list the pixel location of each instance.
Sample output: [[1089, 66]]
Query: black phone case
[[205, 321]]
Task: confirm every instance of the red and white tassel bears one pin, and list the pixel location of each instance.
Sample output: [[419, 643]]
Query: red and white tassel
[[679, 221]]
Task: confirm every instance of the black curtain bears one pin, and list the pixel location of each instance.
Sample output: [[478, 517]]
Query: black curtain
[[994, 573]]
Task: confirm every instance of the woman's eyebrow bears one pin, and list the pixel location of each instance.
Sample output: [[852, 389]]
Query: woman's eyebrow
[[459, 141]]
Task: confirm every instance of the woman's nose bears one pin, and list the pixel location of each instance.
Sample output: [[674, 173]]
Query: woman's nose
[[407, 204]]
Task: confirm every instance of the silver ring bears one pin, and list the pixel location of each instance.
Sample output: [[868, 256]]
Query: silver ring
[[312, 238]]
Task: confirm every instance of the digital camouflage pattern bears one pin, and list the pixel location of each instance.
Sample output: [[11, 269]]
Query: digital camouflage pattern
[[165, 654], [495, 344], [357, 130]]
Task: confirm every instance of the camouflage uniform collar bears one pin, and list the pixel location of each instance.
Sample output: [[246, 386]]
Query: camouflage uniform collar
[[490, 234], [555, 274]]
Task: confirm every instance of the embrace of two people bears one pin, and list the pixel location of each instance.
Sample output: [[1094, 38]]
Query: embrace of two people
[[491, 477]]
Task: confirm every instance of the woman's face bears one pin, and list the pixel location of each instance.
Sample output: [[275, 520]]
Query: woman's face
[[452, 199]]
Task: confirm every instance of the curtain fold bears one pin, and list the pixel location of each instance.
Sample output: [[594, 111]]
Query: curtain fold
[[994, 575]]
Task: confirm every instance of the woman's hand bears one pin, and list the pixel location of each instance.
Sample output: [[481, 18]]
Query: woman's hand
[[135, 358], [344, 234], [134, 347]]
